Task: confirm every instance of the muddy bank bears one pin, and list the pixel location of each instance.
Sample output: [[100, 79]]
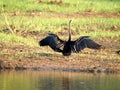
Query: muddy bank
[[56, 62], [21, 57], [111, 67]]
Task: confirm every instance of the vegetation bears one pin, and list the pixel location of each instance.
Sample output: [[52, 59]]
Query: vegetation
[[27, 21], [12, 38], [68, 6], [97, 26]]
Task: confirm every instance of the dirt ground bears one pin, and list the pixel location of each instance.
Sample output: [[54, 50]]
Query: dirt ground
[[66, 15], [20, 57]]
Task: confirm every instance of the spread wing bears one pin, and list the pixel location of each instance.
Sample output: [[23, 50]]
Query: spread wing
[[53, 41], [118, 52], [84, 42]]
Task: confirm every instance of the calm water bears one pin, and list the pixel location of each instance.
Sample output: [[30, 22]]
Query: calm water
[[39, 80]]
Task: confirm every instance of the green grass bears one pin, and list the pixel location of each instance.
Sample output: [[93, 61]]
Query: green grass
[[100, 34], [68, 6], [26, 30], [12, 39], [92, 26], [55, 25]]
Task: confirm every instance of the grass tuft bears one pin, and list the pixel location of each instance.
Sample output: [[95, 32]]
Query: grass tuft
[[67, 6], [12, 38]]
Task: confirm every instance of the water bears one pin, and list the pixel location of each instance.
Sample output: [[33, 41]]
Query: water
[[43, 80]]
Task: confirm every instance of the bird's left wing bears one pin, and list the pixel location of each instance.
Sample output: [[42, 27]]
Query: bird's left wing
[[84, 42], [53, 41]]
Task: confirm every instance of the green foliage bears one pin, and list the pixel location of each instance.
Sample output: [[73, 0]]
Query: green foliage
[[93, 26], [12, 38], [68, 6]]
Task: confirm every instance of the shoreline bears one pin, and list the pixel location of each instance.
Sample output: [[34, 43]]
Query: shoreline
[[63, 65], [21, 57]]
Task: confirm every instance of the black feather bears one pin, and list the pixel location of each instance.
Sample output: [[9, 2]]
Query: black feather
[[53, 41], [67, 47], [84, 42], [118, 52]]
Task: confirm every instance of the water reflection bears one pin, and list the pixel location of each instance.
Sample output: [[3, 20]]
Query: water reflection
[[39, 80]]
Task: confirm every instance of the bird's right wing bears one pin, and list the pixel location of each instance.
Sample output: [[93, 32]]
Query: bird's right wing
[[53, 41], [84, 42]]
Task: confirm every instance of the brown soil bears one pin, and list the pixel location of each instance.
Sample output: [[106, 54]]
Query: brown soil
[[66, 15], [22, 57]]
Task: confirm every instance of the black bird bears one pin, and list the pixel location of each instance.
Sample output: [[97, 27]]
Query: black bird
[[118, 52], [67, 47]]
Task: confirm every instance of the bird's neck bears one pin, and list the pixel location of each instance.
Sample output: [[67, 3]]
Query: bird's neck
[[69, 37], [69, 31]]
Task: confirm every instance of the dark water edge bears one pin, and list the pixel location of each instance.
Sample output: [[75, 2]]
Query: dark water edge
[[93, 70]]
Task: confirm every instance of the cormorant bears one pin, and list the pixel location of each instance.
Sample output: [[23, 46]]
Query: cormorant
[[67, 47]]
